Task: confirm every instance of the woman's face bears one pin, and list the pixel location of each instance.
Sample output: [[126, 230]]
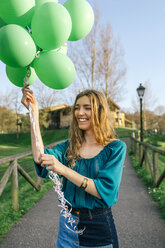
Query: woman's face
[[83, 113]]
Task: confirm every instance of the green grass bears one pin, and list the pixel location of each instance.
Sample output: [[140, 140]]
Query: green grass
[[158, 194], [156, 140], [123, 132], [10, 145], [28, 196]]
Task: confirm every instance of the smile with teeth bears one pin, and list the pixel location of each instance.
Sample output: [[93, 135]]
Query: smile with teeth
[[82, 119]]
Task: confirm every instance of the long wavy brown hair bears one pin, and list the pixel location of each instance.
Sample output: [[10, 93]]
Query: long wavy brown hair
[[101, 121]]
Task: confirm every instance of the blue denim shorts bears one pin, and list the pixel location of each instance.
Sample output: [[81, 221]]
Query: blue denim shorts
[[98, 225]]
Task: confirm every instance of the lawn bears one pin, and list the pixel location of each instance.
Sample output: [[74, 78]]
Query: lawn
[[123, 132], [10, 145]]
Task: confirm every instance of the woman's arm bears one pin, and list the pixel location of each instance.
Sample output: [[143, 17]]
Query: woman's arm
[[77, 179], [29, 97], [54, 165]]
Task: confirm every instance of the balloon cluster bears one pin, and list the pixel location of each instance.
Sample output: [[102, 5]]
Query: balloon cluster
[[33, 36]]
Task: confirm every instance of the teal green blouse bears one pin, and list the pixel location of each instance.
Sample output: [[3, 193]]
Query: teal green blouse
[[105, 169]]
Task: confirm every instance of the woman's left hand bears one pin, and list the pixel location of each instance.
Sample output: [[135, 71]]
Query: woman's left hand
[[52, 164]]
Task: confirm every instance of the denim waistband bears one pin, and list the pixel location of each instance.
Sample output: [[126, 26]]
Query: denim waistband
[[85, 212]]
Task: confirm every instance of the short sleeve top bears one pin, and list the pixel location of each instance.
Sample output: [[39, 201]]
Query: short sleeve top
[[105, 169]]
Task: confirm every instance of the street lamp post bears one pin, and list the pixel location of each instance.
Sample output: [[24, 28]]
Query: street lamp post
[[117, 113], [140, 91]]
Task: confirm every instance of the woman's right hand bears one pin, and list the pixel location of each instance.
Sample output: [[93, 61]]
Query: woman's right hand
[[29, 97]]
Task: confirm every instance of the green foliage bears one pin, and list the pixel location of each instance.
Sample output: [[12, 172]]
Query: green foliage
[[158, 194]]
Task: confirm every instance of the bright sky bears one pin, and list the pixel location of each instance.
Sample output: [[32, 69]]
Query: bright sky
[[140, 26]]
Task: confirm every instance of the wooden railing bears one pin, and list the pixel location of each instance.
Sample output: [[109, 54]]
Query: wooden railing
[[13, 170], [143, 153]]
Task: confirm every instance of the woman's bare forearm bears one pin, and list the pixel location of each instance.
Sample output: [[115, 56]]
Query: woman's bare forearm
[[77, 179], [27, 98], [35, 150]]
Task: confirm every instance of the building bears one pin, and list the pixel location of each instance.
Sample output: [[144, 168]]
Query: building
[[60, 116], [118, 116]]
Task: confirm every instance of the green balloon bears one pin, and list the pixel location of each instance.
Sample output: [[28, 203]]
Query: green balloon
[[17, 74], [40, 2], [17, 48], [17, 11], [63, 49], [82, 18], [51, 26], [2, 23], [54, 69]]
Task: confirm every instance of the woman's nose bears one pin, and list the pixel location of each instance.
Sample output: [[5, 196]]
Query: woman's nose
[[81, 111]]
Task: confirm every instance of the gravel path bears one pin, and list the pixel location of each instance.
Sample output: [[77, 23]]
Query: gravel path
[[136, 215]]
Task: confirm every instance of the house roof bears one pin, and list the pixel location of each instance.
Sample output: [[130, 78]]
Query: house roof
[[128, 121], [113, 103], [58, 107], [63, 106]]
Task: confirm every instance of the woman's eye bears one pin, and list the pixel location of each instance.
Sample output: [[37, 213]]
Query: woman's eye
[[88, 108]]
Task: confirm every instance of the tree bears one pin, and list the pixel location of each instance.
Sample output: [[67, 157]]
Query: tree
[[17, 107], [161, 124], [45, 96], [160, 111], [98, 61], [111, 70], [7, 120], [86, 56]]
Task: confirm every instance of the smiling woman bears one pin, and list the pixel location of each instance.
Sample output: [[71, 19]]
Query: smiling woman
[[90, 163], [83, 113], [91, 121]]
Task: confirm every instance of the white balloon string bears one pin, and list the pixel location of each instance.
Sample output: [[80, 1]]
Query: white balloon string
[[37, 54], [53, 176]]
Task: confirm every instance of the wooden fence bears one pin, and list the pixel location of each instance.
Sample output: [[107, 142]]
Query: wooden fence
[[143, 153], [13, 170]]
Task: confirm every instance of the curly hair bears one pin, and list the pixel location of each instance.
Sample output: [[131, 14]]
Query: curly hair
[[101, 122]]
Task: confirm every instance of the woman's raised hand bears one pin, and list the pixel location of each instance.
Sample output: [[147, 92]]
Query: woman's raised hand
[[29, 97], [52, 164]]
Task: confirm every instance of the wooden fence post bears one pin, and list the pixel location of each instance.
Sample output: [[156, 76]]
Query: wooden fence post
[[15, 203], [6, 176], [136, 150], [146, 159], [140, 152], [155, 167], [39, 180], [132, 141], [160, 179], [13, 170]]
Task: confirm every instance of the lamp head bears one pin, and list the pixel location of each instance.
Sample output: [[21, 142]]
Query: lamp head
[[140, 91]]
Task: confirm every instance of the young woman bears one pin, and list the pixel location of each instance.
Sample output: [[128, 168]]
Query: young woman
[[90, 163]]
